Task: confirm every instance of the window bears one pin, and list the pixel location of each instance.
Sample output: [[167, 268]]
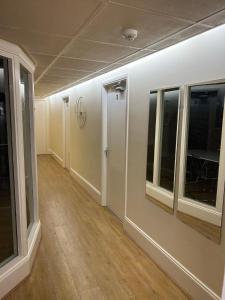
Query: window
[[8, 236], [162, 140]]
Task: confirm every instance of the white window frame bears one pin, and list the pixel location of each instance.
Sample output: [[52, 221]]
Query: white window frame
[[153, 189], [19, 267], [189, 206]]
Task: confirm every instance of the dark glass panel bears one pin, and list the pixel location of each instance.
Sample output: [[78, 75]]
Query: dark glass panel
[[8, 243], [204, 139], [169, 132], [151, 135]]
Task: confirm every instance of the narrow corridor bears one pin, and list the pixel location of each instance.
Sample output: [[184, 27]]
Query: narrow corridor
[[84, 252]]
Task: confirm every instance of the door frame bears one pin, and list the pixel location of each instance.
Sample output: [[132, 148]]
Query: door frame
[[65, 134], [104, 168]]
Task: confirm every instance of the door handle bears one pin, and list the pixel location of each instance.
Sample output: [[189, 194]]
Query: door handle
[[106, 152]]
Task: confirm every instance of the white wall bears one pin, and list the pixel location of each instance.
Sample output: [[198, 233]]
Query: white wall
[[41, 125], [85, 143], [195, 262], [55, 112]]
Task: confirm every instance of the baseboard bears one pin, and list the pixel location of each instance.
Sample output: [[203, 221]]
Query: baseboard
[[56, 157], [95, 193], [20, 266], [178, 272]]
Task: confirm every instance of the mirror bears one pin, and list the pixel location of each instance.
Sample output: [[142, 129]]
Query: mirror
[[162, 145], [202, 160]]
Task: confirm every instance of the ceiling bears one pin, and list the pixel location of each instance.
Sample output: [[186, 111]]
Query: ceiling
[[74, 40]]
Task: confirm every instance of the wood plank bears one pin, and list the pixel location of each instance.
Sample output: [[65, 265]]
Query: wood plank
[[84, 252]]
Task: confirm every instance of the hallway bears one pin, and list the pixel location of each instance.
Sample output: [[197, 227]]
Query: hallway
[[84, 253]]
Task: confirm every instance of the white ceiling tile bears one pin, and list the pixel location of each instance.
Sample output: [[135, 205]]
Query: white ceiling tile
[[53, 17], [91, 50], [34, 42], [215, 20], [67, 73], [164, 43], [180, 36], [42, 89], [79, 64], [191, 9], [43, 60], [114, 19], [38, 71], [135, 56], [54, 80]]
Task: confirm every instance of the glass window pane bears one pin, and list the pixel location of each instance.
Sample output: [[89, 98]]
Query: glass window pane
[[25, 90], [8, 243], [204, 138], [151, 135], [169, 132]]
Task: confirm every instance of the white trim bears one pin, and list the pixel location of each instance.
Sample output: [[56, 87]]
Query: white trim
[[176, 270], [18, 269], [200, 211], [95, 193], [158, 138], [10, 50], [160, 194], [66, 135], [56, 157], [104, 147]]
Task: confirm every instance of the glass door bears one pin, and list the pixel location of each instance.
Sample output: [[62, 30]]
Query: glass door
[[8, 236]]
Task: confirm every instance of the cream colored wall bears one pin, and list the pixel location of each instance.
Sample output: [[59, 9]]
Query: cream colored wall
[[85, 143], [198, 59], [41, 125], [56, 125]]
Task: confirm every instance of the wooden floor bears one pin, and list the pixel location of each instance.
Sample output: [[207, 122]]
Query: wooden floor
[[84, 253]]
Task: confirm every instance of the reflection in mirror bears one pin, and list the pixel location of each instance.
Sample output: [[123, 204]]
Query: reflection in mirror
[[169, 138], [151, 135], [203, 175], [25, 97], [8, 239], [162, 141], [205, 127]]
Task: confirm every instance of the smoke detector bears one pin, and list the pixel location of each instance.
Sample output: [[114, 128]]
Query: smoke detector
[[130, 34]]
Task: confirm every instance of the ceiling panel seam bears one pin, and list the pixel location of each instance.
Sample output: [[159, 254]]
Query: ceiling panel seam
[[115, 63], [99, 8], [159, 13]]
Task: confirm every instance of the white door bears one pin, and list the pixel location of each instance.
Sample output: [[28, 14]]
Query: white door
[[66, 133], [40, 114], [116, 155]]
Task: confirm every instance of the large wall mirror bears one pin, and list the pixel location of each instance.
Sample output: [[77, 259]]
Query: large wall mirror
[[202, 162], [196, 150], [162, 146]]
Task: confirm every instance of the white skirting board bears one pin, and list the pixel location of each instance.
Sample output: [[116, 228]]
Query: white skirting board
[[179, 273], [56, 157], [95, 193], [20, 266]]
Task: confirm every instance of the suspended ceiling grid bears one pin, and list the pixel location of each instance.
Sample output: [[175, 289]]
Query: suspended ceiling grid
[[73, 40]]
